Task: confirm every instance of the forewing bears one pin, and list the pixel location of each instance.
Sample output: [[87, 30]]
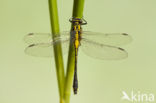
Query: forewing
[[46, 49], [35, 38], [113, 39], [101, 51]]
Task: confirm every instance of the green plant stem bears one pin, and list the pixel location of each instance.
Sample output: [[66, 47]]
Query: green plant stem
[[77, 13], [57, 48]]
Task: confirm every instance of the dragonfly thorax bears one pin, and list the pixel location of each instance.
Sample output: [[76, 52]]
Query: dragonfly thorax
[[77, 31]]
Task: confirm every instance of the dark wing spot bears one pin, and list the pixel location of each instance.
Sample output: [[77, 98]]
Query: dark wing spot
[[124, 34], [31, 34], [121, 49], [31, 45]]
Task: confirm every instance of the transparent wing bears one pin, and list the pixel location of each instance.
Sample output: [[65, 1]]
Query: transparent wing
[[46, 49], [34, 38], [101, 51], [113, 39]]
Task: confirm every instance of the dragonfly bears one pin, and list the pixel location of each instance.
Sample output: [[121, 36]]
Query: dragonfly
[[104, 46]]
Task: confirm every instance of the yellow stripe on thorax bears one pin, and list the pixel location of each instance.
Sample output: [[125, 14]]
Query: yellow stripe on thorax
[[77, 29]]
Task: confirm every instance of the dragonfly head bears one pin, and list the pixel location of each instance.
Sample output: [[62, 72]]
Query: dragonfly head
[[78, 21]]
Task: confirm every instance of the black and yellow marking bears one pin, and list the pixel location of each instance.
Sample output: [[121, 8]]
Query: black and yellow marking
[[76, 30]]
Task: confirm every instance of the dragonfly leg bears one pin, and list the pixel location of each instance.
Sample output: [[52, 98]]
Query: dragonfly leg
[[84, 21]]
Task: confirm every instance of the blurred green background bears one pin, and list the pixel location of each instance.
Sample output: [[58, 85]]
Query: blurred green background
[[26, 79]]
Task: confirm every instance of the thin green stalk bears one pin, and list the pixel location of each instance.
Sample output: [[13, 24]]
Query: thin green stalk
[[57, 48], [77, 13]]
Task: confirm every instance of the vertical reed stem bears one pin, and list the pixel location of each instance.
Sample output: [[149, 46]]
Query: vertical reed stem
[[57, 48]]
